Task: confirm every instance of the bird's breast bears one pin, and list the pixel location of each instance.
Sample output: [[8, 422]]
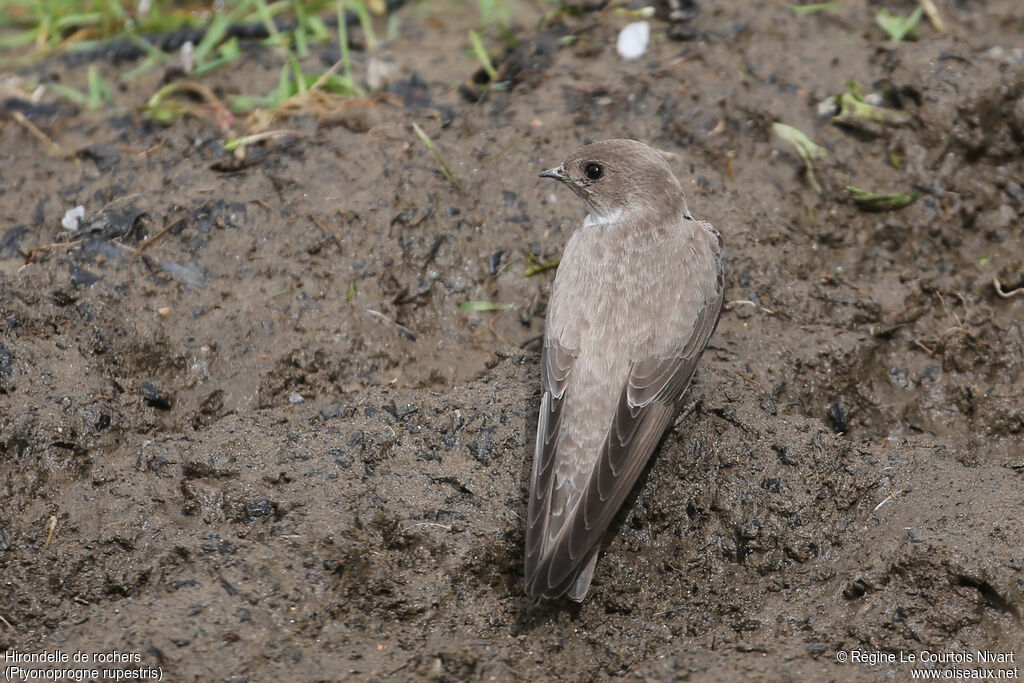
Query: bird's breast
[[624, 297]]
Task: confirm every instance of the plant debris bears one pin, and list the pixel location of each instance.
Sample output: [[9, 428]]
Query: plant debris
[[855, 112], [483, 306], [805, 148], [897, 27], [441, 163], [870, 201], [815, 8]]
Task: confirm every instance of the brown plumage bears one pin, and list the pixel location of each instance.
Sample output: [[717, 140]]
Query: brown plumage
[[636, 298]]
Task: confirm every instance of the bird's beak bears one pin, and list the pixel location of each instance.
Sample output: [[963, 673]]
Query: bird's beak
[[556, 173]]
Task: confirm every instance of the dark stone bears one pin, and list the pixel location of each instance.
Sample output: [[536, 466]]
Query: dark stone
[[80, 277], [112, 223], [855, 589], [495, 262], [480, 447], [260, 507], [156, 396], [62, 297], [6, 361], [837, 417], [105, 155], [41, 110], [11, 240]]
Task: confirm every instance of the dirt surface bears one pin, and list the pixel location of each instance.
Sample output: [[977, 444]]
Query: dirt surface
[[274, 448]]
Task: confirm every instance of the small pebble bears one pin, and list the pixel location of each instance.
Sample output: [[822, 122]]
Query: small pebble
[[72, 218], [874, 99], [296, 398]]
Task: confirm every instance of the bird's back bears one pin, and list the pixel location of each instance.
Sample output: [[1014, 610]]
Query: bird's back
[[621, 297]]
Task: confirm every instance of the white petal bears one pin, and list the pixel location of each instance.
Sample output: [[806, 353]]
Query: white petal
[[633, 40]]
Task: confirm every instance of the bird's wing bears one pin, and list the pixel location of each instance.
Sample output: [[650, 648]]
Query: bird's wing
[[648, 403], [556, 364]]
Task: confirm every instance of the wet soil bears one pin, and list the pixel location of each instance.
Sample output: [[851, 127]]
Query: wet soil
[[273, 447]]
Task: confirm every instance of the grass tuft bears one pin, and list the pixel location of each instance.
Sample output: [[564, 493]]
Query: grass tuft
[[897, 27]]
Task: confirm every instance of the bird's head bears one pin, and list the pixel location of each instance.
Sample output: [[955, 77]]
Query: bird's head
[[617, 177]]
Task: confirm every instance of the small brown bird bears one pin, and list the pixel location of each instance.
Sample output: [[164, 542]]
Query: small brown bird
[[637, 296]]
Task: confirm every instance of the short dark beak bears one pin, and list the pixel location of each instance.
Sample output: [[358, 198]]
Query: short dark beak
[[556, 173]]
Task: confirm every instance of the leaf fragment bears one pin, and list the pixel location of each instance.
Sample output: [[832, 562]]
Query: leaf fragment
[[805, 148], [870, 201], [855, 112]]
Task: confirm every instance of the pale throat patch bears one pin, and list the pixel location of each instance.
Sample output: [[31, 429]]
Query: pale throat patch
[[602, 220]]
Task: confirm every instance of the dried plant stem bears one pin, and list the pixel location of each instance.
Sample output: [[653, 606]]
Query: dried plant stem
[[933, 15], [442, 164], [34, 130]]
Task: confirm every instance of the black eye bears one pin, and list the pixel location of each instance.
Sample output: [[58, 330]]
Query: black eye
[[594, 171]]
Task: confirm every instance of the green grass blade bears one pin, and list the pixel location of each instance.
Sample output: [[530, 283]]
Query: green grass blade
[[815, 8], [100, 92], [268, 21], [482, 56], [359, 7], [318, 27], [72, 21], [68, 93], [229, 52], [214, 34], [346, 59], [284, 87], [541, 267], [483, 306], [300, 33], [19, 39]]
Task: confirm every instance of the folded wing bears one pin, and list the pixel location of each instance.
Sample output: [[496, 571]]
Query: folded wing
[[647, 405]]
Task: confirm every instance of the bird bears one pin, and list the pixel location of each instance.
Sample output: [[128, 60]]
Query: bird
[[637, 295]]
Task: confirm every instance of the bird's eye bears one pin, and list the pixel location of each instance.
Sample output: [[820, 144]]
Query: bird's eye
[[594, 171]]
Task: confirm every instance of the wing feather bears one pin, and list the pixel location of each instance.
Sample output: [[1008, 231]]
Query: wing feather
[[648, 403], [556, 365]]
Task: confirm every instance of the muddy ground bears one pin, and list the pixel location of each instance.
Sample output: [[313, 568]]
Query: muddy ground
[[275, 448]]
